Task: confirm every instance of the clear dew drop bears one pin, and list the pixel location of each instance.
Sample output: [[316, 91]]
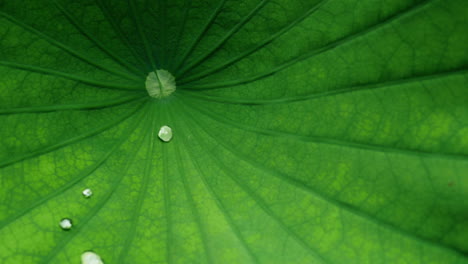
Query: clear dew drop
[[160, 83], [165, 133], [87, 193], [90, 257], [66, 224]]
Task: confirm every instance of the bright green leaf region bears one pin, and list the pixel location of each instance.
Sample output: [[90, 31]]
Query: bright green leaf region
[[302, 131]]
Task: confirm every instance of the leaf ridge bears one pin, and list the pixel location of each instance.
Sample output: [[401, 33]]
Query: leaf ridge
[[408, 12], [142, 192], [233, 31], [262, 203], [67, 49], [181, 33], [193, 209], [71, 107], [67, 142], [331, 141], [207, 26], [167, 202], [94, 211], [69, 76], [99, 44], [151, 56], [264, 43], [109, 18], [305, 97], [86, 173], [218, 202], [321, 196]]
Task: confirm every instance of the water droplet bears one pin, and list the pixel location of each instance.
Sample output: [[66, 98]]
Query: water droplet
[[160, 83], [66, 224], [90, 257], [87, 193], [165, 133]]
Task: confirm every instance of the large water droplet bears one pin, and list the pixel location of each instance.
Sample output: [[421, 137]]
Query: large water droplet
[[66, 224], [87, 193], [90, 257], [165, 133], [160, 83]]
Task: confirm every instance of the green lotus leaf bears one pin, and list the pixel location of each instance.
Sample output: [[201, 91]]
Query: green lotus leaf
[[294, 131]]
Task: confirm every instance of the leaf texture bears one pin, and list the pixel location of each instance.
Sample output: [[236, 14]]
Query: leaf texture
[[305, 131]]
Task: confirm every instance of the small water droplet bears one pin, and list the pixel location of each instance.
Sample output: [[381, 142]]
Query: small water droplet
[[90, 257], [66, 224], [87, 193], [165, 133]]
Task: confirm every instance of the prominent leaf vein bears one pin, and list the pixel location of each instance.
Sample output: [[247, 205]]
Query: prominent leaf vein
[[273, 37], [329, 141], [71, 107], [322, 196], [193, 209], [217, 200], [100, 45], [95, 210], [261, 203], [316, 95], [83, 175], [410, 11], [69, 50], [131, 232], [207, 26], [73, 77], [62, 144], [123, 37], [218, 45], [136, 18]]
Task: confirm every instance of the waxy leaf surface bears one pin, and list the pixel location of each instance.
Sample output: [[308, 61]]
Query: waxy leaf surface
[[304, 131]]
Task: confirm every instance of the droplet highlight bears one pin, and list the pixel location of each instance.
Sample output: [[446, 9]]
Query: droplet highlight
[[160, 83], [90, 257], [87, 193], [165, 133], [66, 224]]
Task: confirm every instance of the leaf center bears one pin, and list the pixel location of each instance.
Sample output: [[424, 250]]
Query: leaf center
[[160, 83]]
